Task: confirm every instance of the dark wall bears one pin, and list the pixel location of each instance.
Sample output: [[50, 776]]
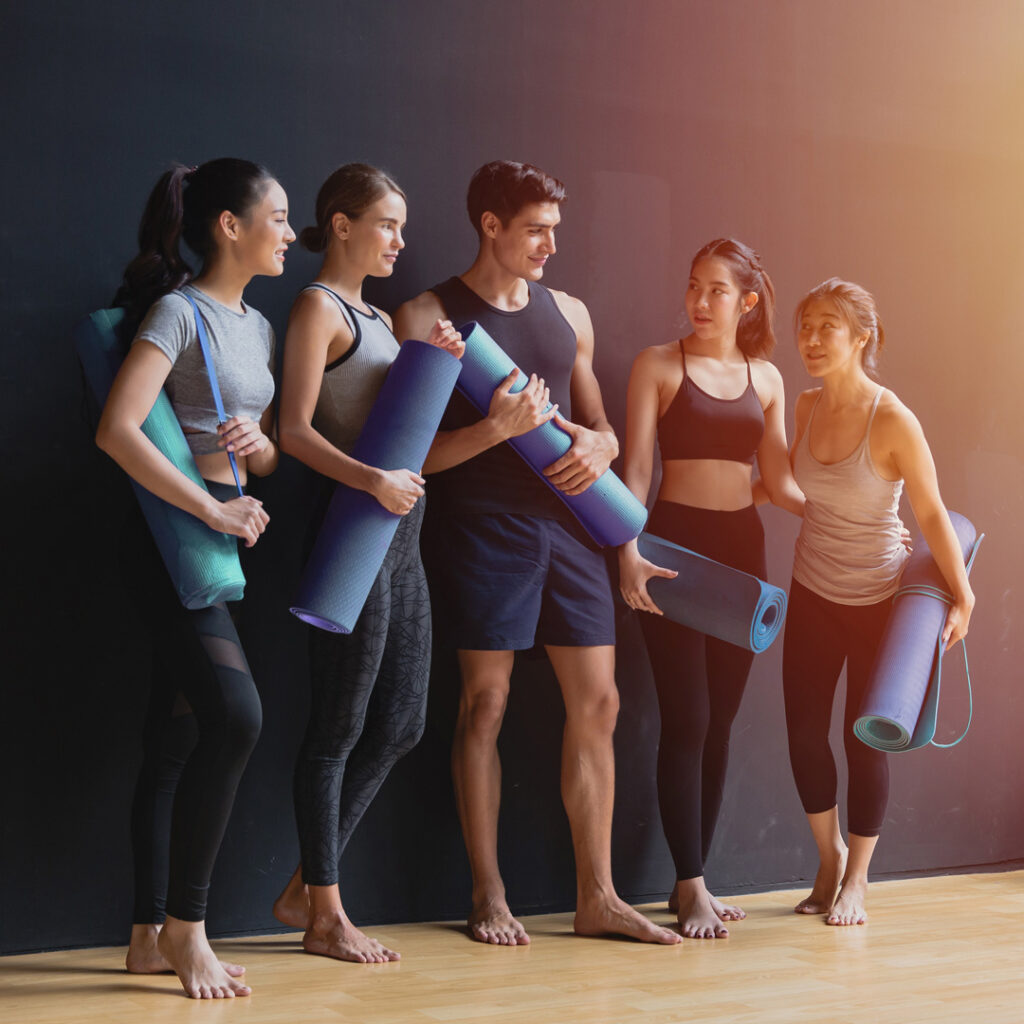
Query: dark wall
[[876, 141]]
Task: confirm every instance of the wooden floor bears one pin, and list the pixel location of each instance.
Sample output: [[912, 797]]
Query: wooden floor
[[936, 949]]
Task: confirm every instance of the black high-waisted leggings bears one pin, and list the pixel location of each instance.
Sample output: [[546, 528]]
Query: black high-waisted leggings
[[700, 681], [368, 706], [820, 636], [203, 720]]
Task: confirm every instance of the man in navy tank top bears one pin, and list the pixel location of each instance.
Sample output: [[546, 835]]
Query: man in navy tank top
[[516, 569]]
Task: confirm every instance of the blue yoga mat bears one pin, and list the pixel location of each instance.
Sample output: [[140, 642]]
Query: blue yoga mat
[[357, 530], [202, 563], [714, 598], [607, 509], [901, 703]]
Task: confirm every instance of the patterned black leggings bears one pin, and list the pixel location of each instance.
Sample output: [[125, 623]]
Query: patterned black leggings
[[368, 707], [203, 720]]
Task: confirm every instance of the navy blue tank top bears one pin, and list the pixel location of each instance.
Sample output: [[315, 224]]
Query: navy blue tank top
[[697, 425], [539, 340]]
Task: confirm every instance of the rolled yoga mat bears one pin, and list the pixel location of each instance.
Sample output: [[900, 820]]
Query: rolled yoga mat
[[203, 564], [607, 509], [714, 598], [357, 530], [901, 703]]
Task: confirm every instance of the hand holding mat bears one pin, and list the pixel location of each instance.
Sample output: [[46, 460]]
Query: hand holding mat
[[901, 703], [714, 598], [607, 509], [357, 530], [203, 564]]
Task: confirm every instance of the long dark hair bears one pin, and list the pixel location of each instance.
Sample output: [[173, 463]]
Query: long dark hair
[[184, 204], [351, 189], [755, 334]]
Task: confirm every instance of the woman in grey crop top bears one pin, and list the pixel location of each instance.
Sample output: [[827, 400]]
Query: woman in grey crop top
[[712, 401], [338, 352], [855, 448], [204, 711]]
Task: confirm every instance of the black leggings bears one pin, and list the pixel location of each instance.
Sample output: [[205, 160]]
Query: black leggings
[[203, 720], [820, 636], [700, 681], [368, 706]]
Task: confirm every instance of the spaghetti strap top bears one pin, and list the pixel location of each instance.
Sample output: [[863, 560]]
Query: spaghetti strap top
[[697, 425], [849, 549]]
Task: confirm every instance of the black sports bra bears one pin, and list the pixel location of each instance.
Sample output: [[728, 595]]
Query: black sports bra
[[697, 425]]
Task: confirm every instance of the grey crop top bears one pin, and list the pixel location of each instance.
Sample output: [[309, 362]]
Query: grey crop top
[[242, 346], [350, 384]]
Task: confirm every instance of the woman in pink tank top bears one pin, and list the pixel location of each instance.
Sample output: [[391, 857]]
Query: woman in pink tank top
[[856, 445]]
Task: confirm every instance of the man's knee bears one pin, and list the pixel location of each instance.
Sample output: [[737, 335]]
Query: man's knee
[[595, 709], [483, 709]]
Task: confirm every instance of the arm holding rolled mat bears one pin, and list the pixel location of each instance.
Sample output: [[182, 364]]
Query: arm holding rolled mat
[[509, 414], [317, 335], [594, 444], [901, 433], [643, 402], [120, 435]]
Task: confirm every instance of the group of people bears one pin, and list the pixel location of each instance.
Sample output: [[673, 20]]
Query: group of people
[[515, 569]]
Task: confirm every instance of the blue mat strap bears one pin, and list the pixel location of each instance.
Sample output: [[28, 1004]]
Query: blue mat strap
[[204, 345]]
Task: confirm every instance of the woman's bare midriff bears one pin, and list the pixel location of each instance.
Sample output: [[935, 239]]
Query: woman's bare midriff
[[216, 466], [718, 484]]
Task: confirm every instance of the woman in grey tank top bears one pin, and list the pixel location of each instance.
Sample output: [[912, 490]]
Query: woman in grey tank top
[[856, 446], [337, 354]]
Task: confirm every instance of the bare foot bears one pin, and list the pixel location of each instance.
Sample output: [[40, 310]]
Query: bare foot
[[849, 906], [826, 885], [334, 935], [492, 922], [696, 912], [725, 911], [187, 951], [144, 957], [608, 915], [292, 906]]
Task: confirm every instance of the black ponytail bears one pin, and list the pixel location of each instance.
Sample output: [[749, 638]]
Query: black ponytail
[[184, 205]]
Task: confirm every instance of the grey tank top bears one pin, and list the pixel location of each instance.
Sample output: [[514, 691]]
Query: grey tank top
[[242, 346], [351, 383], [849, 548]]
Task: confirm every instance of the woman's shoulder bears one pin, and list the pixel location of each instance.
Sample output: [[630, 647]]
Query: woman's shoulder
[[893, 417], [658, 356]]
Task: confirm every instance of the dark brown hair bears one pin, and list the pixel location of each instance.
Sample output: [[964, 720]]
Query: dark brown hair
[[351, 190], [504, 187]]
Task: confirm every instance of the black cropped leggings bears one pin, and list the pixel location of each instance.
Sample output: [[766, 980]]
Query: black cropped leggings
[[368, 705], [700, 681], [820, 636], [203, 720]]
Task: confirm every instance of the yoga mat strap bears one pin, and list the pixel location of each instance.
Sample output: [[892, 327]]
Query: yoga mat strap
[[211, 370]]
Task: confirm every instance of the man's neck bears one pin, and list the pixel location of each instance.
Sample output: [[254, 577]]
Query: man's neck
[[495, 285]]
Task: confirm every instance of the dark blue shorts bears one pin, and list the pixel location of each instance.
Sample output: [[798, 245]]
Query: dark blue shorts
[[516, 580]]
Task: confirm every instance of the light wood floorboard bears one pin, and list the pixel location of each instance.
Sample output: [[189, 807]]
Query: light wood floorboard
[[948, 948]]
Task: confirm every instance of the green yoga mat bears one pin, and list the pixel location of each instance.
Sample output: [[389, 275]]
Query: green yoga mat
[[714, 598], [901, 704], [202, 563]]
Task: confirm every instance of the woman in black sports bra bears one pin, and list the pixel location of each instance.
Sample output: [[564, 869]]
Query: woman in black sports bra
[[713, 402]]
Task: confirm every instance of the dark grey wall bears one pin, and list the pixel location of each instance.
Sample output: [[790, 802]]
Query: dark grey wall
[[877, 141]]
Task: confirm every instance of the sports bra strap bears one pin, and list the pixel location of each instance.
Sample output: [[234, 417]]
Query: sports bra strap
[[346, 312]]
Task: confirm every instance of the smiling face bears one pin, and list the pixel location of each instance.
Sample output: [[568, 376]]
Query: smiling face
[[714, 302], [527, 242], [263, 233], [826, 341], [373, 240]]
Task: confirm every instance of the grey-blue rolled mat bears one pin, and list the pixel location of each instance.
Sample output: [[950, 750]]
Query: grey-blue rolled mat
[[901, 703], [714, 598], [202, 563], [607, 509], [357, 530]]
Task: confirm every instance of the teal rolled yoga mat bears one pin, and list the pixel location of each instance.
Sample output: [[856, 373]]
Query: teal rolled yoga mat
[[357, 530], [202, 563], [714, 598], [901, 703], [607, 509]]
